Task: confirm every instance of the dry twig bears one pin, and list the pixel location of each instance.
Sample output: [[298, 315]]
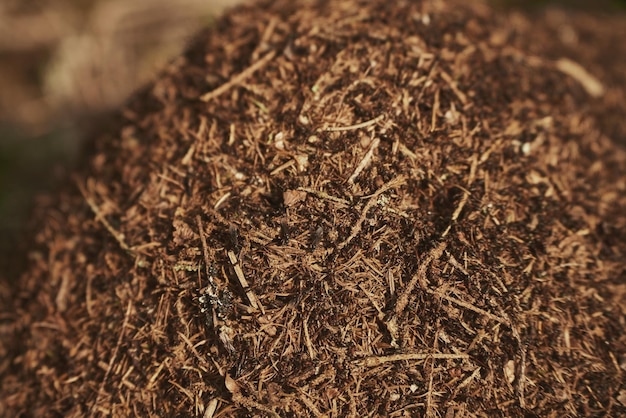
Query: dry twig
[[356, 126], [254, 301], [365, 160], [239, 78], [356, 228], [419, 277], [378, 360], [112, 359], [469, 306], [119, 237]]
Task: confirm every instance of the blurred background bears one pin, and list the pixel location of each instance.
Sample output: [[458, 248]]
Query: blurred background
[[65, 62]]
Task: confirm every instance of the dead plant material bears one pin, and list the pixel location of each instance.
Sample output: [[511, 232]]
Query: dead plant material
[[379, 209]]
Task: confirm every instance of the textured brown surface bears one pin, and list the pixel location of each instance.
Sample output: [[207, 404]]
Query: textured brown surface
[[337, 209]]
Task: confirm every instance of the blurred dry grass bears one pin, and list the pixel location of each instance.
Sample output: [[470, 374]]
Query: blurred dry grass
[[64, 62], [67, 57]]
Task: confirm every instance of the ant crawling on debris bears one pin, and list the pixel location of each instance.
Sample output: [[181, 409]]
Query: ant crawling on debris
[[217, 305]]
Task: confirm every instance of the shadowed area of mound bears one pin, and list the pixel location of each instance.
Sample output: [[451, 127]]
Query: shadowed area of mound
[[337, 209]]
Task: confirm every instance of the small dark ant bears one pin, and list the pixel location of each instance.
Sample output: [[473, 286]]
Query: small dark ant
[[220, 303], [217, 306], [212, 271], [215, 303]]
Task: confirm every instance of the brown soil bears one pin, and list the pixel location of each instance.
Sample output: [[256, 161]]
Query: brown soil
[[340, 209]]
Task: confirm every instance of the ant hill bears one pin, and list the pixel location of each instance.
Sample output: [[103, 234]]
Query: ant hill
[[342, 208]]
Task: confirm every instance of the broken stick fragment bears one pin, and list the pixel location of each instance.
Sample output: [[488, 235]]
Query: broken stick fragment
[[254, 301], [591, 84], [239, 78]]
